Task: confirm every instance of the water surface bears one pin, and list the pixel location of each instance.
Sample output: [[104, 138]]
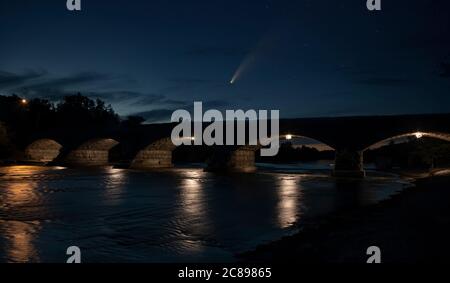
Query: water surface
[[180, 215]]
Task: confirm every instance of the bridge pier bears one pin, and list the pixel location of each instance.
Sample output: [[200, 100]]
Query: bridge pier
[[92, 153], [87, 158], [42, 151], [152, 159], [226, 160], [157, 155], [349, 163]]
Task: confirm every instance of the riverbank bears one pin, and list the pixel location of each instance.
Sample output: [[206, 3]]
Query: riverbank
[[411, 227]]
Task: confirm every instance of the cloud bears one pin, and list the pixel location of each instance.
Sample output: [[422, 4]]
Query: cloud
[[175, 102], [52, 94], [216, 104], [148, 99], [164, 114], [73, 80], [115, 96], [41, 84], [34, 84], [216, 51], [155, 116], [8, 79], [183, 84]]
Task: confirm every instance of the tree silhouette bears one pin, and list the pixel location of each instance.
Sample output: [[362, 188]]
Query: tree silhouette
[[75, 117]]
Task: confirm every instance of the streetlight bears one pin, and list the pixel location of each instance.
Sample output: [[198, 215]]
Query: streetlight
[[289, 137], [24, 101]]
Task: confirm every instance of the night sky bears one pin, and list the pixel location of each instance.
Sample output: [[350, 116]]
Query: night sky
[[306, 58]]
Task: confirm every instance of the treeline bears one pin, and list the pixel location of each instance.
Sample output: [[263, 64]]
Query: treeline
[[424, 153], [289, 153], [37, 113], [74, 116]]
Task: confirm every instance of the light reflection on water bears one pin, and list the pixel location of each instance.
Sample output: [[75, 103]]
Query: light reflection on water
[[114, 185], [288, 207], [20, 193], [194, 206], [179, 215], [19, 238], [192, 194]]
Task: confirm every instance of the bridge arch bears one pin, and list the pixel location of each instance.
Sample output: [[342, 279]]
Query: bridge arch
[[94, 152], [156, 155], [292, 137], [350, 163], [243, 158], [385, 161], [418, 135], [43, 151]]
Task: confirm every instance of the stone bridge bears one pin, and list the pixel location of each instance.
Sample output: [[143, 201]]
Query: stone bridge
[[150, 147]]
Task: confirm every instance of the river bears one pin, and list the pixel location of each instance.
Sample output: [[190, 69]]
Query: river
[[178, 215]]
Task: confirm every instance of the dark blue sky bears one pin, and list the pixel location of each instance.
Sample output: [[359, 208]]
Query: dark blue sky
[[306, 58]]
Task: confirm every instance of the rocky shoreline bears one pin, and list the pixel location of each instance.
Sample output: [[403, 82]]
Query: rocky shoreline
[[412, 227]]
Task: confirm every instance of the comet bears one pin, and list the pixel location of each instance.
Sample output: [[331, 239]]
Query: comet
[[245, 64], [262, 47]]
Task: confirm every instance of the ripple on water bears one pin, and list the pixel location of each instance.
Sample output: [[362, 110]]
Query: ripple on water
[[186, 214]]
